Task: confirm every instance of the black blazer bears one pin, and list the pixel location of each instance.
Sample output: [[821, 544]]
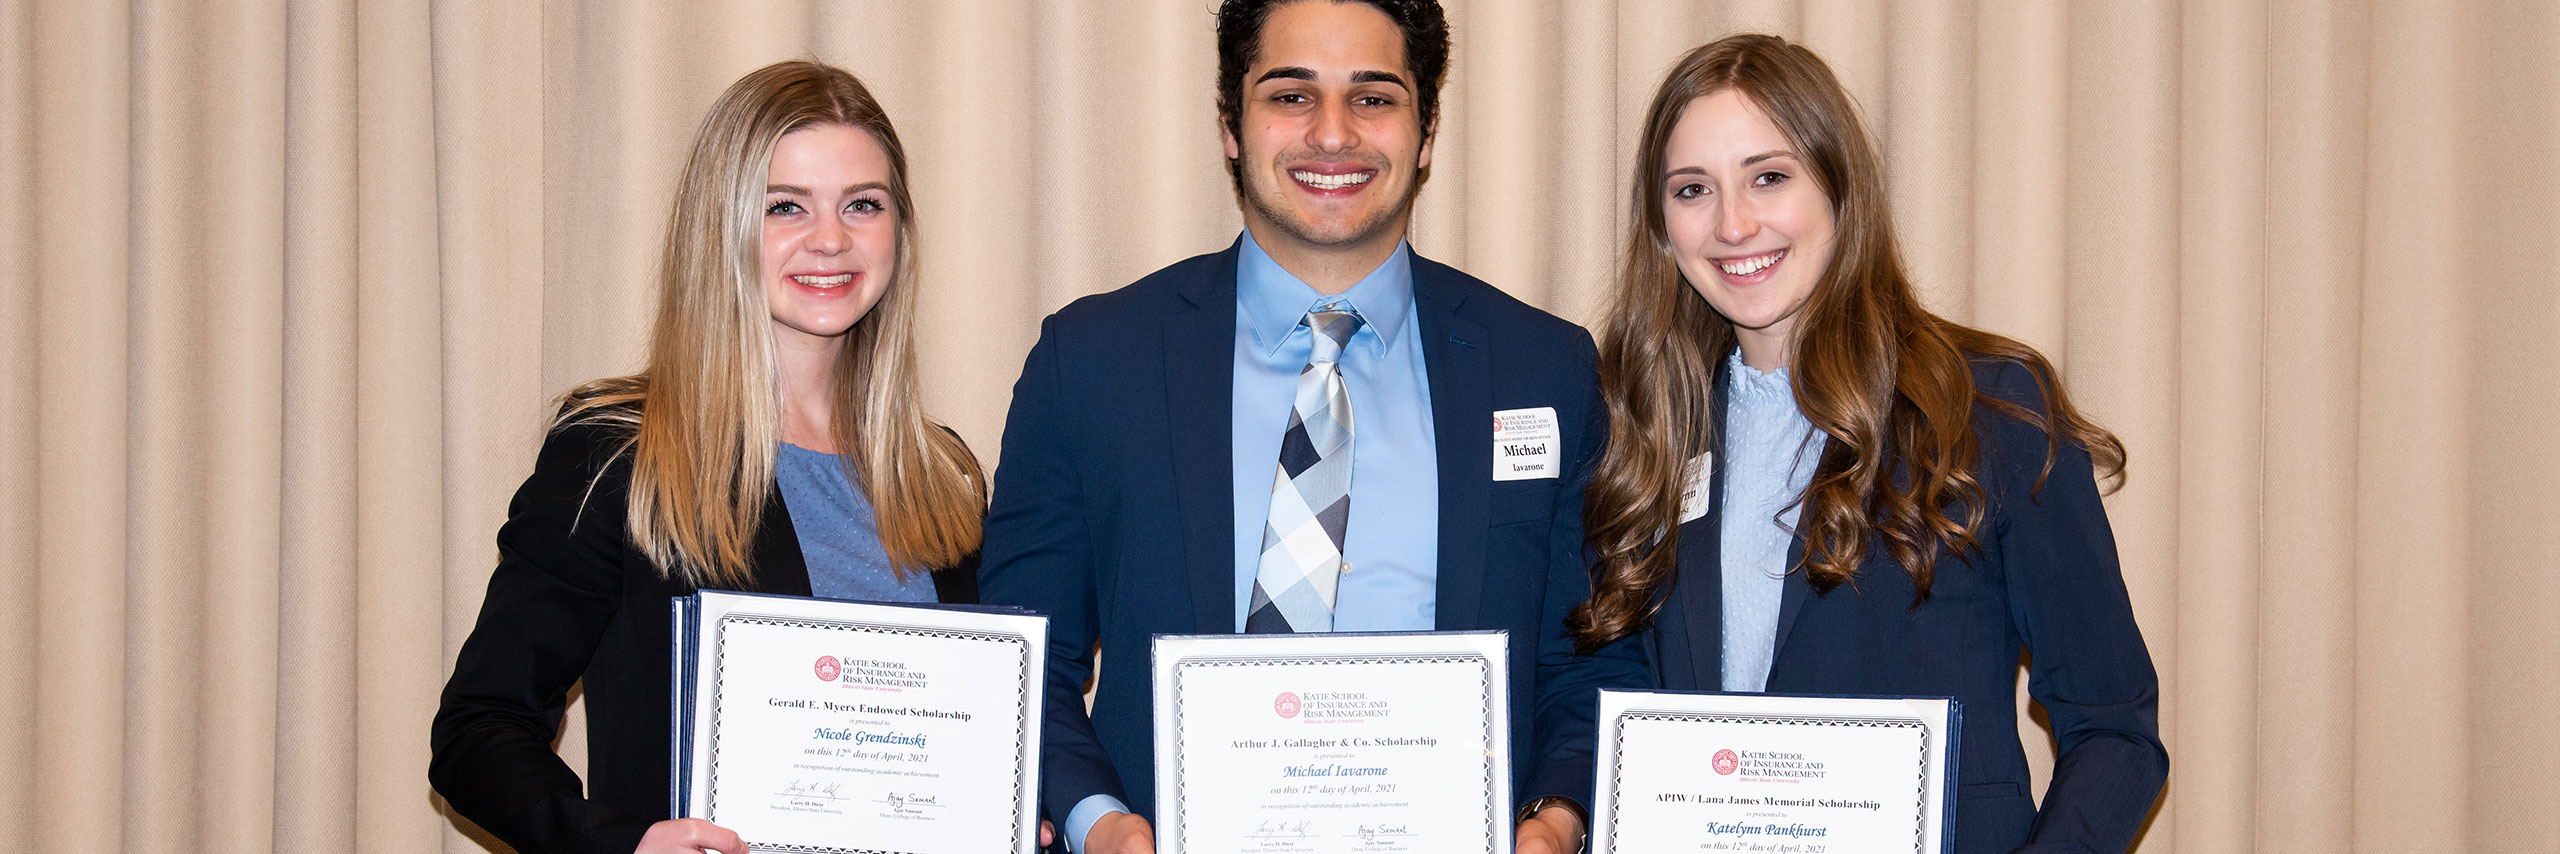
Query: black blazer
[[573, 601], [1114, 511], [2046, 583]]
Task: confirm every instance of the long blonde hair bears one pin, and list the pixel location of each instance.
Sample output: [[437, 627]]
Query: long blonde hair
[[704, 417], [1887, 382]]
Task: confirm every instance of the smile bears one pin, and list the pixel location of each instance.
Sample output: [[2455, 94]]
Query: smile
[[1323, 181], [835, 281], [1753, 264]]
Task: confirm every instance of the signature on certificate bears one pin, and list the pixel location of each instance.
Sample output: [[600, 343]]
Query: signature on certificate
[[807, 789], [1373, 832], [1280, 830]]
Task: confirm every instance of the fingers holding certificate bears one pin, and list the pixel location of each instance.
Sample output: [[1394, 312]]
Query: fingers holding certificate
[[828, 726], [1333, 743]]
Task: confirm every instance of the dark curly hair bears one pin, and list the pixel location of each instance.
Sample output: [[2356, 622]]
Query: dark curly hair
[[1426, 54]]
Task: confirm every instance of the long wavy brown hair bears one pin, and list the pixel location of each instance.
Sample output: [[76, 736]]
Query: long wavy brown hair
[[704, 417], [1888, 383]]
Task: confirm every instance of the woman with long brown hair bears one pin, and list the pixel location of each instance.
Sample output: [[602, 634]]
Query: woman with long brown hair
[[1813, 485], [776, 442]]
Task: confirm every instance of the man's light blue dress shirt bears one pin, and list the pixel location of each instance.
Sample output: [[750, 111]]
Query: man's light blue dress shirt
[[1392, 542]]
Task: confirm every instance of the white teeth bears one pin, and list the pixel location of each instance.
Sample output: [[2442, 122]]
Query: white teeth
[[1748, 266], [824, 281], [1330, 182]]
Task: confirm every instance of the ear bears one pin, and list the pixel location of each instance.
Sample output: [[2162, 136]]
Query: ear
[[1227, 135], [1430, 134]]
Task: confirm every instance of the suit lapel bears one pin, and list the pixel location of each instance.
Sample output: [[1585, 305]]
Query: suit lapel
[[1791, 593], [1454, 358], [1199, 364], [958, 584], [1791, 596], [780, 568], [1702, 555]]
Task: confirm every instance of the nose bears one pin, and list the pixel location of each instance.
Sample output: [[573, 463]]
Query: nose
[[831, 236], [1735, 222], [1332, 130]]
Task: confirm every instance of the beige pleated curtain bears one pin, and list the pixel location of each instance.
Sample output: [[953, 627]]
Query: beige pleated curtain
[[288, 286]]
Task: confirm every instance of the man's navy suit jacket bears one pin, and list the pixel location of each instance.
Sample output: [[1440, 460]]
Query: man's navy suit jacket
[[2045, 580], [1113, 511]]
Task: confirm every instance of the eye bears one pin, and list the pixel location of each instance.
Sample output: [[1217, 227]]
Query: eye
[[1288, 98], [782, 208], [868, 205], [1376, 101], [1688, 191], [1769, 179]]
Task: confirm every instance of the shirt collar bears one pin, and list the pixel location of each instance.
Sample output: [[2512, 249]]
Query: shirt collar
[[1270, 301], [1750, 383]]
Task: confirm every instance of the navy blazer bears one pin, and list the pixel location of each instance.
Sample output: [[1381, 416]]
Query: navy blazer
[[2045, 583], [574, 601], [1113, 511]]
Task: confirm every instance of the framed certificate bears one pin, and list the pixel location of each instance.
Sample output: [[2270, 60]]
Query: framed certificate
[[816, 726], [1332, 743], [1760, 772]]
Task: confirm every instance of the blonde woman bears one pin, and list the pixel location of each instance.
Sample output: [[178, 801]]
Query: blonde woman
[[775, 442], [1887, 502]]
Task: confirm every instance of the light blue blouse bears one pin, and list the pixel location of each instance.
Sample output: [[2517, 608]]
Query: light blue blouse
[[1770, 453], [839, 535]]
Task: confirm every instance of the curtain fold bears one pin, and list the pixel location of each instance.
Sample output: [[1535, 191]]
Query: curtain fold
[[287, 287]]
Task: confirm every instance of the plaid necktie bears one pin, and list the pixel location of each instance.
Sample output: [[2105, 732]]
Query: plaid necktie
[[1311, 493]]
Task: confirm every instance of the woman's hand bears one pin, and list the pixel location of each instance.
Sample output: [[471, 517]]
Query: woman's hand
[[689, 836]]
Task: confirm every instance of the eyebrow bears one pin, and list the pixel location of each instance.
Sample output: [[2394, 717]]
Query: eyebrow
[[1299, 72], [1747, 161], [1287, 72], [796, 190], [1379, 77]]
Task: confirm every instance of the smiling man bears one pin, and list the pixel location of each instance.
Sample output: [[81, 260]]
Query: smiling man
[[1182, 455]]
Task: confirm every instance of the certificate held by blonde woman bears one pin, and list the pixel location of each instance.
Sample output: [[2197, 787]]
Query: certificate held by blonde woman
[[819, 726]]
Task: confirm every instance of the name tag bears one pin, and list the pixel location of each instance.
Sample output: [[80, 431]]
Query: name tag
[[1524, 443], [1693, 490]]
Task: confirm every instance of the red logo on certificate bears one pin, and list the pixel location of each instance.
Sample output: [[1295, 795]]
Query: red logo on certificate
[[1286, 704], [1726, 762], [828, 668]]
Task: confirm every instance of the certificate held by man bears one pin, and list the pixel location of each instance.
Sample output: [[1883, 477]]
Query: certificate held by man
[[1332, 743], [1776, 774], [820, 726]]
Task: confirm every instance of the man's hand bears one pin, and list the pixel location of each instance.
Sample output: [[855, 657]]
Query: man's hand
[[1120, 833], [689, 836], [1554, 830]]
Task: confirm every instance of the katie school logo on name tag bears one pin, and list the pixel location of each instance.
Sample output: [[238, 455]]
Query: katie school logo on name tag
[[1524, 443]]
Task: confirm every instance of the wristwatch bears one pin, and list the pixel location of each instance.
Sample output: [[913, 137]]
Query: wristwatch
[[1530, 810]]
